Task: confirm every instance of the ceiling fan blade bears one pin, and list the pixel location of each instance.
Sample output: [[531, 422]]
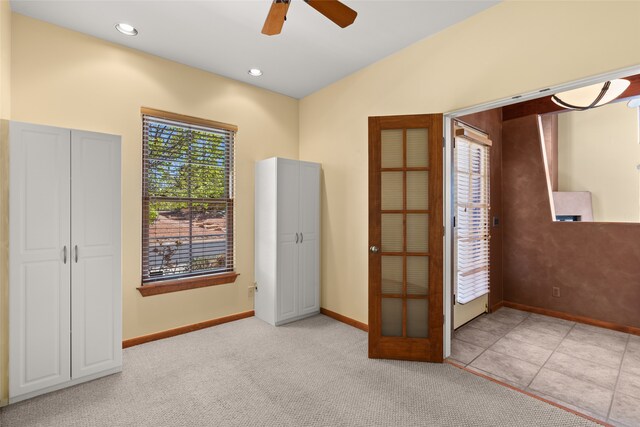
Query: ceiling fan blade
[[339, 13], [276, 17]]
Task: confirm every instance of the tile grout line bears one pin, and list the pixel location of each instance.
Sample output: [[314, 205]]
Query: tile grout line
[[468, 325], [528, 343], [545, 363], [550, 355], [505, 334], [564, 336], [615, 387], [594, 345], [553, 351], [587, 380]]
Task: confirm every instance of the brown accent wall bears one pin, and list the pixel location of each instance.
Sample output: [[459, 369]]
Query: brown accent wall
[[491, 122], [595, 265]]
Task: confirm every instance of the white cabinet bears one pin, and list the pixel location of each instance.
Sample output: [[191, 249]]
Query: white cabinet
[[64, 258], [39, 239], [287, 228]]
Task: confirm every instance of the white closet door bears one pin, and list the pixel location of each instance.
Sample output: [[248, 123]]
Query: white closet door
[[309, 247], [95, 236], [39, 277], [288, 237]]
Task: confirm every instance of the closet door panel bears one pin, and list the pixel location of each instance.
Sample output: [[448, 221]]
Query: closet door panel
[[39, 277], [309, 247], [287, 293], [309, 200], [288, 172], [288, 198], [309, 285], [95, 236]]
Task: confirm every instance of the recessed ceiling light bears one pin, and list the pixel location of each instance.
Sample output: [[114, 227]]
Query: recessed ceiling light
[[126, 29], [255, 72]]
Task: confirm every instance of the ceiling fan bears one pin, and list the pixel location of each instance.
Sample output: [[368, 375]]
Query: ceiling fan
[[336, 11]]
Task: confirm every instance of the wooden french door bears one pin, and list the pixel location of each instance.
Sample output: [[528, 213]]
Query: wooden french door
[[405, 237]]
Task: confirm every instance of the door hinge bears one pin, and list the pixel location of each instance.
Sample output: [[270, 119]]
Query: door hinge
[[444, 142], [454, 222], [443, 319]]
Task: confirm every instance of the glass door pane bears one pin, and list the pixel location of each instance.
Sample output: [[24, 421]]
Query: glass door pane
[[404, 197], [392, 317]]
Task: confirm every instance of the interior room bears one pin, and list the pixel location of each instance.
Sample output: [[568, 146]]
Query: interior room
[[333, 213], [542, 162]]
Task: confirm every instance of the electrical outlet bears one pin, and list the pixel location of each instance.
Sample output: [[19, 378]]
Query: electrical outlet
[[555, 291]]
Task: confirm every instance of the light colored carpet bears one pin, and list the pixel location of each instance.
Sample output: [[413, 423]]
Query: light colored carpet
[[310, 373]]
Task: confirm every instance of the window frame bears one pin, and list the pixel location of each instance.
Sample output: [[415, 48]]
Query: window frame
[[192, 281]]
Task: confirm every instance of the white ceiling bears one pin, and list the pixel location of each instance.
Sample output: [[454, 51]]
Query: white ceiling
[[224, 37]]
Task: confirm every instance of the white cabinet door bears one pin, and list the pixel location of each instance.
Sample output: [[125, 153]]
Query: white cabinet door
[[308, 277], [95, 237], [288, 237], [39, 314], [288, 198], [309, 247], [287, 292]]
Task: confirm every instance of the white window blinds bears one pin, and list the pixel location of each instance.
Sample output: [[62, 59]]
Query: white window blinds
[[187, 200], [472, 212]]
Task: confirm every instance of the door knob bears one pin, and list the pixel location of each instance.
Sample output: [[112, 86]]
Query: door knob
[[374, 249]]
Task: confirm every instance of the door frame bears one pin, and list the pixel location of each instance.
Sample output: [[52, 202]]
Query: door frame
[[448, 117]]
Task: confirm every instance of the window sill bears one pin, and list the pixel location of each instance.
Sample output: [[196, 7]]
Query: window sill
[[177, 285]]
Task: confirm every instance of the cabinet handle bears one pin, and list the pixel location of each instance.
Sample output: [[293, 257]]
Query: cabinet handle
[[296, 237], [76, 254], [64, 254], [301, 237]]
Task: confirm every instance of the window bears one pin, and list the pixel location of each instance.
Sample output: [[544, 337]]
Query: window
[[472, 213], [187, 203]]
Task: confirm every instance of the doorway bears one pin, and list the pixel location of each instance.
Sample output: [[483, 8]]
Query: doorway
[[375, 257], [516, 105]]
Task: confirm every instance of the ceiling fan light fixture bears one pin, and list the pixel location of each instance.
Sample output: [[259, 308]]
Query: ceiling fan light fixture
[[126, 29], [591, 96], [255, 72]]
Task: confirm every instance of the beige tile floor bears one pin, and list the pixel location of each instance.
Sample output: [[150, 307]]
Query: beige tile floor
[[588, 369]]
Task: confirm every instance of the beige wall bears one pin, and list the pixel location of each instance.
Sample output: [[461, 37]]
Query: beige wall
[[63, 78], [5, 112], [512, 48], [598, 151], [5, 59]]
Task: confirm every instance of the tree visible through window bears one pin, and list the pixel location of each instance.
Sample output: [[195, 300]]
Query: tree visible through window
[[187, 199]]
